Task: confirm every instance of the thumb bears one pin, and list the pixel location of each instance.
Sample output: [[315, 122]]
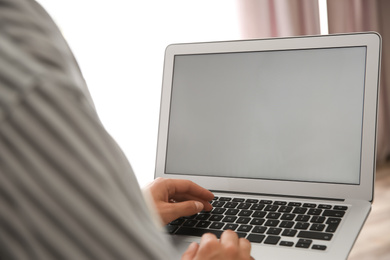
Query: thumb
[[190, 253]]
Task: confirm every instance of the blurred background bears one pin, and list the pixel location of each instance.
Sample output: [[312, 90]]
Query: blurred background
[[120, 45]]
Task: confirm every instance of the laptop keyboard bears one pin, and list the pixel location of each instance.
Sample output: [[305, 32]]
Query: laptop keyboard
[[273, 222]]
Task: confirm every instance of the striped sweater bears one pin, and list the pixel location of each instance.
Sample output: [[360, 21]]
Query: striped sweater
[[66, 189]]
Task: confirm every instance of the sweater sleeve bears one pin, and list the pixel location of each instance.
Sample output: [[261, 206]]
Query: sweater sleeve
[[66, 189]]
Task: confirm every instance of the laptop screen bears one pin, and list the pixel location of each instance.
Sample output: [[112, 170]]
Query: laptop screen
[[279, 115]]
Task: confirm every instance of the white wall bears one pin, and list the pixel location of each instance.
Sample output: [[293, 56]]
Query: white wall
[[120, 44]]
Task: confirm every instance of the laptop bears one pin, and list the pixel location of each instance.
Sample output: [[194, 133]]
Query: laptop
[[282, 131]]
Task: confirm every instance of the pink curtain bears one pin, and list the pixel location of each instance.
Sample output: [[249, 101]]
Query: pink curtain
[[369, 15], [279, 18]]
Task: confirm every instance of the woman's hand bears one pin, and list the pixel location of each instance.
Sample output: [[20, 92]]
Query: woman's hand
[[229, 247], [175, 198]]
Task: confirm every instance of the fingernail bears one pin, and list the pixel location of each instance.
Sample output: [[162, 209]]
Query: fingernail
[[199, 205], [193, 246]]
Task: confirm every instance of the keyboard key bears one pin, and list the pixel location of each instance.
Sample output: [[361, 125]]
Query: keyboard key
[[255, 238], [289, 232], [252, 201], [238, 200], [257, 206], [244, 205], [245, 228], [190, 223], [203, 224], [245, 213], [274, 231], [231, 205], [301, 225], [303, 243], [333, 213], [286, 224], [198, 232], [280, 203], [259, 214], [302, 218], [230, 226], [216, 218], [243, 220], [294, 204], [309, 205], [337, 207], [324, 206], [318, 247], [272, 240], [241, 234], [333, 221], [265, 201], [332, 228], [257, 221], [225, 199], [218, 204], [232, 212], [272, 223], [271, 208], [317, 219], [300, 210], [314, 211], [203, 216], [230, 219], [317, 227], [217, 225], [218, 210], [259, 229], [285, 209], [315, 235], [288, 216], [273, 215], [286, 243]]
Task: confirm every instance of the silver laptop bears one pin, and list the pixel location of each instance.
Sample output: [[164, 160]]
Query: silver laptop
[[283, 131]]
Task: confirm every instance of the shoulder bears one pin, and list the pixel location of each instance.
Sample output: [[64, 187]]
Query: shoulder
[[33, 52]]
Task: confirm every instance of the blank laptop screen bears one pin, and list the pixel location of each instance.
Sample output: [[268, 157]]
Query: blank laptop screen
[[280, 115]]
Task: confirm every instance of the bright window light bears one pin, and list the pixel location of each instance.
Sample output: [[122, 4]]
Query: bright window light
[[120, 46], [323, 16]]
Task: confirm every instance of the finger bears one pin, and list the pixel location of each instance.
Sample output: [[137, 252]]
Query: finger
[[180, 209], [229, 241], [176, 187], [209, 247], [206, 204], [208, 237], [190, 253], [229, 236], [244, 248]]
